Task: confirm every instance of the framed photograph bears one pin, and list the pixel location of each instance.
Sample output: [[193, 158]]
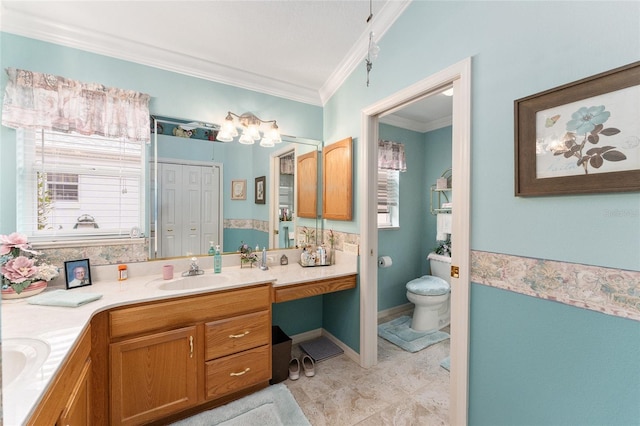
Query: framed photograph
[[260, 189], [583, 137], [239, 189], [77, 273]]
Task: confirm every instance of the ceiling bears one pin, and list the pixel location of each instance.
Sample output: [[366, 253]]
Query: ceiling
[[299, 50]]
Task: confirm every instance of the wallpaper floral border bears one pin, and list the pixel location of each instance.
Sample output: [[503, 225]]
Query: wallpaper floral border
[[607, 290]]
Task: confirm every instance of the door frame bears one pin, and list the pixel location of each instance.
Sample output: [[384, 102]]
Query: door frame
[[274, 192], [458, 75]]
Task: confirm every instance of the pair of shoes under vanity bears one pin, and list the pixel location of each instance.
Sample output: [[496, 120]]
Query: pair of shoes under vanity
[[308, 367]]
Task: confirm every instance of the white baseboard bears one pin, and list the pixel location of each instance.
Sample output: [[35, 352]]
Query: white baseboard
[[407, 307], [318, 332], [307, 335]]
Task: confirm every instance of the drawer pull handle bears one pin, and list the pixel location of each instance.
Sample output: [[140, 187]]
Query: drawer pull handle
[[246, 370], [237, 336], [190, 346]]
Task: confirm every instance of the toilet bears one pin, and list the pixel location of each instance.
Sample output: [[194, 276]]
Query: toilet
[[431, 295]]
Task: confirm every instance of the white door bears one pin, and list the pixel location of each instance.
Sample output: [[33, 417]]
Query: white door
[[169, 212], [211, 208], [190, 209]]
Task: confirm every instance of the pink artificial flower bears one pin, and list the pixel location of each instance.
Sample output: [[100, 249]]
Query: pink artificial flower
[[12, 241], [19, 269]]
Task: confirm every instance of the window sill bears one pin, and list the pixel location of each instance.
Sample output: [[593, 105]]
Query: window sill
[[391, 228], [87, 243]]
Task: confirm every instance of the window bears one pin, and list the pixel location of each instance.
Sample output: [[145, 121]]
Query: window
[[70, 185], [388, 198], [62, 186]]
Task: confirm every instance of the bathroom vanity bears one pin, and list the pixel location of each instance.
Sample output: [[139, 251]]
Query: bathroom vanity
[[152, 350]]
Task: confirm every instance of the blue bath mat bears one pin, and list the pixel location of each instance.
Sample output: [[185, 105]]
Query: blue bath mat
[[399, 332], [446, 363]]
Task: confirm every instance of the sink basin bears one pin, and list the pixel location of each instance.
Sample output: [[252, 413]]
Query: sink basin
[[191, 283], [21, 358]]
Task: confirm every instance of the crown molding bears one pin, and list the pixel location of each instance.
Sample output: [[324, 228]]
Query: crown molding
[[380, 23], [25, 25], [416, 126]]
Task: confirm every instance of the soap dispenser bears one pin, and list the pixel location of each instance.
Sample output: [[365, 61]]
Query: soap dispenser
[[217, 261], [211, 249]]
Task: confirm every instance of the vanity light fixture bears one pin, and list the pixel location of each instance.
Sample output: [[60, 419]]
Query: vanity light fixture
[[251, 132]]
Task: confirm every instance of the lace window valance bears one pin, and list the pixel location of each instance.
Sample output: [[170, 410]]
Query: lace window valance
[[391, 156], [36, 100]]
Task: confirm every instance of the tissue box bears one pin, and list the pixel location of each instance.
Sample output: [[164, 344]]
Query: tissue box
[[441, 183]]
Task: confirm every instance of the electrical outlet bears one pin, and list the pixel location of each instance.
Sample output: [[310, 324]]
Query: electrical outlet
[[350, 248]]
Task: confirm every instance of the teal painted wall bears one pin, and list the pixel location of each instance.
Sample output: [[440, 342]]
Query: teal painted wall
[[437, 160], [535, 362], [518, 49], [404, 244]]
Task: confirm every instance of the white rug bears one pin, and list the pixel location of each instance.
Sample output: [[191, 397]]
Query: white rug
[[399, 332], [273, 405]]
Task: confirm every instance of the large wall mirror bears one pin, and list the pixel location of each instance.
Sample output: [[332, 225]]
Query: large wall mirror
[[203, 191]]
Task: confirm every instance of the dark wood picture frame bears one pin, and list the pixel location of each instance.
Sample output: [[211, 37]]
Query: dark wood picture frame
[[261, 189], [527, 123], [84, 278]]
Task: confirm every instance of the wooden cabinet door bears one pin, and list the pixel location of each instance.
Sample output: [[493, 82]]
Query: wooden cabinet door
[[307, 185], [337, 180], [77, 411], [153, 376]]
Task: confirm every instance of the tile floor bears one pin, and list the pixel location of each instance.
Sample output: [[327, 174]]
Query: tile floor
[[403, 389]]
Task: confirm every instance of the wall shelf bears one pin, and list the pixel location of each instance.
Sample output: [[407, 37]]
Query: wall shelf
[[437, 195]]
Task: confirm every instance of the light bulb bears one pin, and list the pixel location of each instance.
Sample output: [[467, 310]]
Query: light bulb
[[266, 142], [224, 137], [228, 128], [246, 139]]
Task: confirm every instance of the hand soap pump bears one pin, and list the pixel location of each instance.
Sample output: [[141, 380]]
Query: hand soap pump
[[211, 249], [217, 261]]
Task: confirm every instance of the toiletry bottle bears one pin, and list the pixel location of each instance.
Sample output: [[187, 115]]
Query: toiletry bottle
[[217, 261], [211, 250]]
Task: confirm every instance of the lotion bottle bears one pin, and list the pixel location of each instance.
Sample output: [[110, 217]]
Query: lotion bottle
[[217, 261]]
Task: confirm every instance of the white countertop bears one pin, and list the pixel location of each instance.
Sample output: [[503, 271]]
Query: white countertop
[[60, 327]]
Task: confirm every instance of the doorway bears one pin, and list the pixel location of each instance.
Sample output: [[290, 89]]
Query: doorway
[[458, 76], [281, 214]]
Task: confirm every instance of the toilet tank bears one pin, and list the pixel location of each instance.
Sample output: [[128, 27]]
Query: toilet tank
[[440, 266]]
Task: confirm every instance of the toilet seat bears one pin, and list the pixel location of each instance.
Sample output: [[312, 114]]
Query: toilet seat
[[428, 285]]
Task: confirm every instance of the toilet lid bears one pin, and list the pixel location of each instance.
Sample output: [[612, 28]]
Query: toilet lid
[[428, 285]]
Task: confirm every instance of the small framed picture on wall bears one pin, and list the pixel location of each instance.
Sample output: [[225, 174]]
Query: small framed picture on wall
[[239, 189], [260, 189]]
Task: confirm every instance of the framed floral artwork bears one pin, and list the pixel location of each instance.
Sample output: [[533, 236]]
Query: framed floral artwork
[[583, 137]]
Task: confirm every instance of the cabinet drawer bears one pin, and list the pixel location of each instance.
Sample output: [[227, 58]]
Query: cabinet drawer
[[188, 310], [235, 372], [229, 336]]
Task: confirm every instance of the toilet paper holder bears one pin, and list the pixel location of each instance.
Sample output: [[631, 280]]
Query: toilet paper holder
[[384, 261]]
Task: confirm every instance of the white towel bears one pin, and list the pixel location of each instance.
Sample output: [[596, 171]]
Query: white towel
[[443, 226]]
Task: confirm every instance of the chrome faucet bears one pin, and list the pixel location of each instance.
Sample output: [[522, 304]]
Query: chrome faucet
[[194, 269]]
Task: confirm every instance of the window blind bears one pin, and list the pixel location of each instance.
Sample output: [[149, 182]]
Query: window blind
[[388, 197], [71, 185]]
